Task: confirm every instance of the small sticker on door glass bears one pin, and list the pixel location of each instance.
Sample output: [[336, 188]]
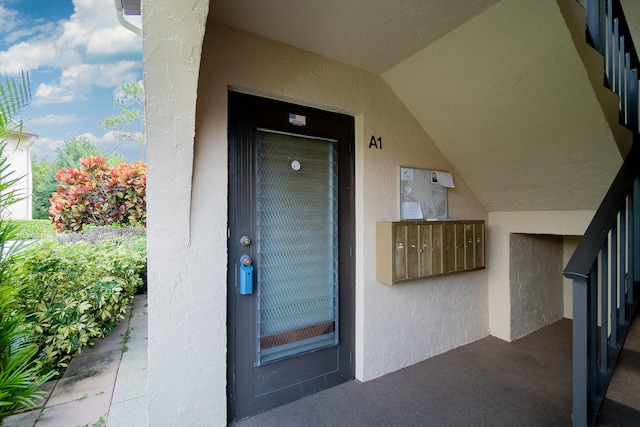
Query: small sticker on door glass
[[297, 120], [295, 165]]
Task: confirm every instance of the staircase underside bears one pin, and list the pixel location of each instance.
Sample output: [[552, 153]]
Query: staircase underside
[[509, 101]]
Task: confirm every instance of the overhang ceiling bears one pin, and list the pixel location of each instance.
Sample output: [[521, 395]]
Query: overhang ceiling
[[497, 84], [371, 34]]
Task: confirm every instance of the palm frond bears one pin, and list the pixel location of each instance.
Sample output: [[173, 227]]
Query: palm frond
[[14, 95]]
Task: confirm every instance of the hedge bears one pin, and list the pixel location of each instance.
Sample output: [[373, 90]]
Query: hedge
[[75, 292]]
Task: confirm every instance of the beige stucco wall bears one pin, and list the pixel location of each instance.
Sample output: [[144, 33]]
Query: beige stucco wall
[[187, 347], [501, 226], [395, 326], [187, 188]]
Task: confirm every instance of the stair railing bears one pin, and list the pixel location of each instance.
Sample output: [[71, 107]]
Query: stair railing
[[608, 32], [605, 267]]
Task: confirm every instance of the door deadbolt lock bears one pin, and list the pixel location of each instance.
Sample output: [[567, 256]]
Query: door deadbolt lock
[[245, 241]]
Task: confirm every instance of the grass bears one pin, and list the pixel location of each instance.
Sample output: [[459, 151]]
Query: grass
[[101, 422], [125, 340]]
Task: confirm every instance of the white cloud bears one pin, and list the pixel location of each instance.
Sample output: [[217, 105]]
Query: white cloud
[[94, 29], [114, 74], [45, 148], [9, 19], [54, 119], [27, 56], [29, 31], [77, 81], [108, 140], [89, 49], [109, 137], [51, 94], [113, 41]]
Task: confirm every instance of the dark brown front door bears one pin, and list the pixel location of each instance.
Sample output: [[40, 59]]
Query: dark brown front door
[[291, 285]]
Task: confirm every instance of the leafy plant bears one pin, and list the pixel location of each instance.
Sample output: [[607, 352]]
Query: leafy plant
[[67, 156], [77, 291], [14, 94], [19, 376], [129, 124], [95, 194], [32, 229]]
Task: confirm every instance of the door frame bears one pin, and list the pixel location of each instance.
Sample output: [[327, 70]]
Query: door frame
[[242, 122]]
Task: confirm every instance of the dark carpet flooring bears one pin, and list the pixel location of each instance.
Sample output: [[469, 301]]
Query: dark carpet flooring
[[487, 383]]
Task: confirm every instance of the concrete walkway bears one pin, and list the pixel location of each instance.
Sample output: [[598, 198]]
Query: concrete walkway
[[102, 386]]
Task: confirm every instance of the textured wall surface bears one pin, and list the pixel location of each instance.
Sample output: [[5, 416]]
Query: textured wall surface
[[370, 35], [508, 100], [395, 326], [501, 226], [535, 267], [187, 364]]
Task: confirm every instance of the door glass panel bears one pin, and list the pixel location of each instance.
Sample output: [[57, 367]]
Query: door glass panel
[[297, 252]]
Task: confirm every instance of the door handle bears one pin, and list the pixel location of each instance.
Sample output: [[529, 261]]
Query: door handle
[[246, 275]]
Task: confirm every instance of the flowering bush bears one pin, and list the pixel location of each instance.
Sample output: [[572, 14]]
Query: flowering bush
[[99, 195]]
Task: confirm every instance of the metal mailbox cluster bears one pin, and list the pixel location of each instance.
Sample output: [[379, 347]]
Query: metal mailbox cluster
[[411, 250]]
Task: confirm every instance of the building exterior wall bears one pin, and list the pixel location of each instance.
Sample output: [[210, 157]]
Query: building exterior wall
[[187, 346], [18, 154], [395, 326]]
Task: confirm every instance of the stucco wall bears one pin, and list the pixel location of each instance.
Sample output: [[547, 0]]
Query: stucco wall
[[395, 326], [187, 348], [501, 226], [535, 266], [18, 153]]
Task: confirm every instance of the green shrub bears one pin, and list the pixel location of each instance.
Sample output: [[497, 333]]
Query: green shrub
[[32, 229], [77, 291], [20, 378]]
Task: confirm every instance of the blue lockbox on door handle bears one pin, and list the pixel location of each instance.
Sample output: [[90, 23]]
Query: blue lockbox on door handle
[[246, 275]]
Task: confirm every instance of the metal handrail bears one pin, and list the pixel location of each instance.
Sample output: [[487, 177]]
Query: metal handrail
[[581, 262], [605, 267]]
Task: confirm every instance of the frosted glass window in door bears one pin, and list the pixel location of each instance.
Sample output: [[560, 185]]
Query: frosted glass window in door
[[297, 237]]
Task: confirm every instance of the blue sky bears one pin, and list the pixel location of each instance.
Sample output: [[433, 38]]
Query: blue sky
[[77, 54]]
